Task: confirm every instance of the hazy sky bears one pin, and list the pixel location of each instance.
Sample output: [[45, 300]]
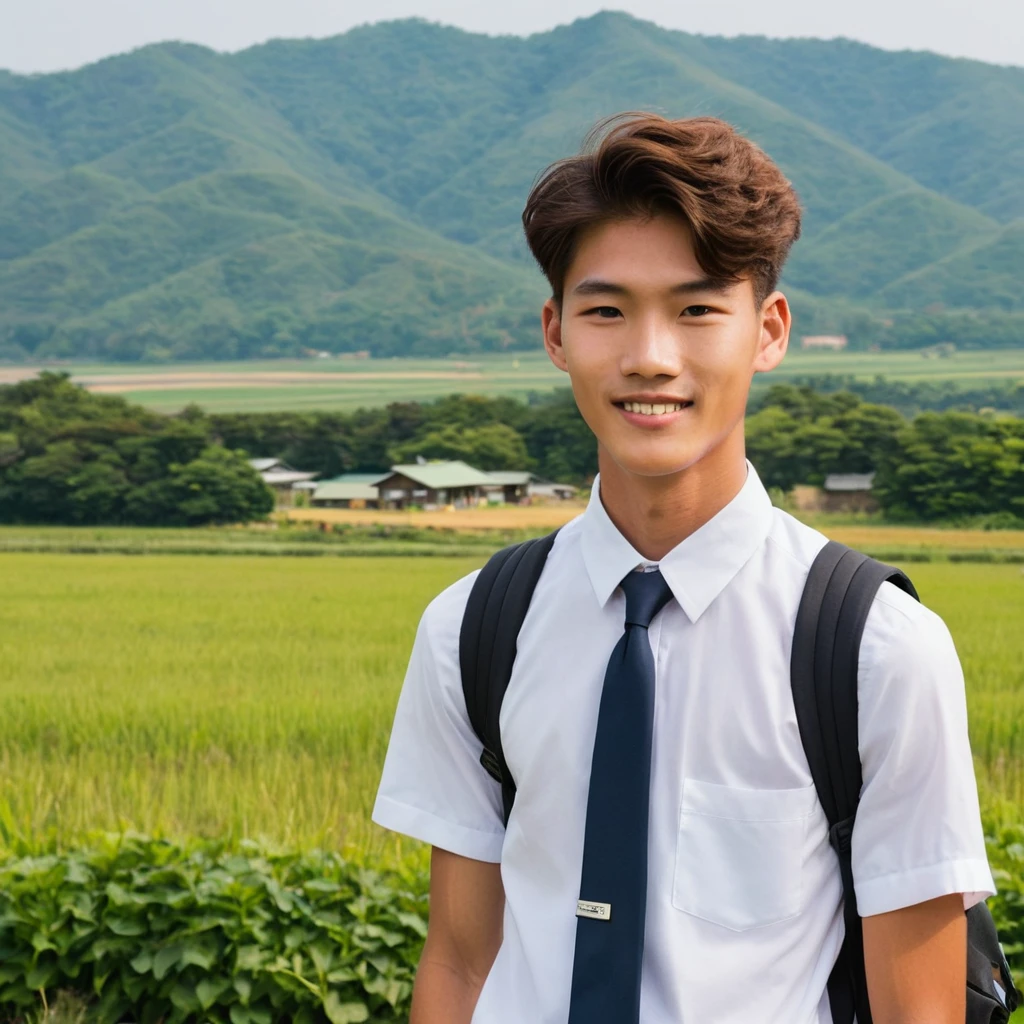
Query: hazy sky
[[45, 35]]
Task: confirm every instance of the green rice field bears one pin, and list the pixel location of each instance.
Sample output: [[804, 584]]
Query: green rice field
[[341, 383], [186, 695]]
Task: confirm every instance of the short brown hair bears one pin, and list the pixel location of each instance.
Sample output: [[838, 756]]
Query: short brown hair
[[744, 214]]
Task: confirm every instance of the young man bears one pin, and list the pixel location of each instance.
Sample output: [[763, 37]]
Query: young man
[[663, 245]]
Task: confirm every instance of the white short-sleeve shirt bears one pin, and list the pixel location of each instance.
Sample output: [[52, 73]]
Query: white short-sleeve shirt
[[744, 896]]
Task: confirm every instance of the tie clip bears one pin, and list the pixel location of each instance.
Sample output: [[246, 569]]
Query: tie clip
[[597, 911]]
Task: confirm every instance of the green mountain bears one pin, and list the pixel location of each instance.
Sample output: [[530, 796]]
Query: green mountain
[[364, 192]]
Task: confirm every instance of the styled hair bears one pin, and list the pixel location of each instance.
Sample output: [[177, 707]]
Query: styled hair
[[742, 211]]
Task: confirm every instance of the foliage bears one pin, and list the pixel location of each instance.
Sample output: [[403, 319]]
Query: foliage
[[799, 436], [177, 933], [910, 397], [72, 457], [546, 434], [495, 446], [954, 464], [67, 456], [174, 203], [1006, 857]]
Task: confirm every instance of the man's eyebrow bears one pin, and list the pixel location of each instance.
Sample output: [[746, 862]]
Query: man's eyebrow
[[596, 286], [704, 284]]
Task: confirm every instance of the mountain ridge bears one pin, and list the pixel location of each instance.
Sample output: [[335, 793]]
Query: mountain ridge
[[142, 197]]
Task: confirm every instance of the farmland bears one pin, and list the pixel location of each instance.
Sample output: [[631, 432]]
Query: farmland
[[190, 696], [345, 384]]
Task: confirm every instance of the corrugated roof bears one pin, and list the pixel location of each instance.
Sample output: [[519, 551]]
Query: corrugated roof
[[356, 478], [435, 475], [849, 481], [332, 490], [512, 478], [281, 477], [262, 465]]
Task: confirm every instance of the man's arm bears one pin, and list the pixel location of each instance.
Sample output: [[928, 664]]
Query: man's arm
[[467, 904], [916, 960]]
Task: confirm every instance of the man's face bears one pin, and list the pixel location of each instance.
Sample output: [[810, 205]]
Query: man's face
[[659, 356]]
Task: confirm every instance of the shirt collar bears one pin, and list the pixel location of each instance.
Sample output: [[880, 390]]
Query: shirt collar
[[697, 569]]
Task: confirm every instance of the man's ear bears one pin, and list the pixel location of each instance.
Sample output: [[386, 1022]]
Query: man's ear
[[551, 321], [776, 322]]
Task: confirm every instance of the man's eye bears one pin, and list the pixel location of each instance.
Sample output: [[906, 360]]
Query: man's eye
[[696, 311], [605, 312]]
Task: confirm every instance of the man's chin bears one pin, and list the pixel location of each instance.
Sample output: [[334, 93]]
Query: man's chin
[[653, 465]]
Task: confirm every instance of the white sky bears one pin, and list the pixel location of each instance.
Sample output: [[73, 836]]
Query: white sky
[[47, 35]]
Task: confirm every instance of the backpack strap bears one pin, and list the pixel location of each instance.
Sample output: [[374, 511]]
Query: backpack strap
[[837, 597], [494, 614]]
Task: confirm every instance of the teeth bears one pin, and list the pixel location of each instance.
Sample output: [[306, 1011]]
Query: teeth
[[649, 409]]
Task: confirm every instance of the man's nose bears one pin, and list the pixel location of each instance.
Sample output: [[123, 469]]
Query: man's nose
[[652, 350]]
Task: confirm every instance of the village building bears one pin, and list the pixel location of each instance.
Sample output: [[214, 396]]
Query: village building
[[849, 492], [286, 483], [509, 486], [350, 490], [544, 490], [433, 483], [842, 492]]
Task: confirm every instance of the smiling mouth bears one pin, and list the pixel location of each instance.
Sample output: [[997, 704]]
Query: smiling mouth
[[653, 408]]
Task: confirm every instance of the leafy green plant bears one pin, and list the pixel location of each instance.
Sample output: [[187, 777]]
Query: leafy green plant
[[1006, 855], [171, 933]]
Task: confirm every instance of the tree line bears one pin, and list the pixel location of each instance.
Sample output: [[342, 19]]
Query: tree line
[[68, 456]]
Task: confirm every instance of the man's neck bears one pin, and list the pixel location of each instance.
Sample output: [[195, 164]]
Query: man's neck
[[656, 513]]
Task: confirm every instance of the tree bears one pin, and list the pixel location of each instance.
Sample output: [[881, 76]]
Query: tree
[[67, 456], [494, 446]]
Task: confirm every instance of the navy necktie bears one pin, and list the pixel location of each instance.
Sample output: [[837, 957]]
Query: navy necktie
[[612, 909]]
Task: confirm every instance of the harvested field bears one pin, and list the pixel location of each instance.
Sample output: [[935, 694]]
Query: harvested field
[[349, 383], [531, 517], [504, 517]]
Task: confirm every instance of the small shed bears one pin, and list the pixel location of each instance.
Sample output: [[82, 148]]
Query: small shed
[[350, 490], [433, 483], [510, 486], [545, 490], [849, 492]]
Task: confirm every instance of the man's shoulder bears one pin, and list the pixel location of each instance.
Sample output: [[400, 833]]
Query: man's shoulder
[[441, 623], [442, 618], [896, 620]]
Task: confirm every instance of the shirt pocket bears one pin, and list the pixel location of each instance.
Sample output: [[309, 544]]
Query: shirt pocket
[[739, 853]]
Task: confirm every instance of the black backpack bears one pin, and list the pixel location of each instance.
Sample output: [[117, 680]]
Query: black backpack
[[840, 589]]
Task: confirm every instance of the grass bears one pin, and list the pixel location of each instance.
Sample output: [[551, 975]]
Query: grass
[[191, 696], [462, 532], [174, 697], [345, 384]]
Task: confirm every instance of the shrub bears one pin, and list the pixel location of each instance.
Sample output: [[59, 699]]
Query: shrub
[[171, 933]]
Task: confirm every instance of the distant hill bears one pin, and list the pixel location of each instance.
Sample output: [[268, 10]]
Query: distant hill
[[364, 192]]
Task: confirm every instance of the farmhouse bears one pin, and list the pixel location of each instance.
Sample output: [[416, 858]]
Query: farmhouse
[[283, 480], [433, 483], [350, 490]]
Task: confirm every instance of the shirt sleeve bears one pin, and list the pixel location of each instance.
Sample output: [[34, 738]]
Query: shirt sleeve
[[918, 834], [433, 787]]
